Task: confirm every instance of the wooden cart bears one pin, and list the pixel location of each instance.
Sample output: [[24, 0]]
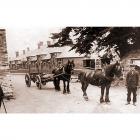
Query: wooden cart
[[36, 73]]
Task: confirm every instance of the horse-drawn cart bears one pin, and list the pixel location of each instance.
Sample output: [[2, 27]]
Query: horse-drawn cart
[[36, 73], [39, 79]]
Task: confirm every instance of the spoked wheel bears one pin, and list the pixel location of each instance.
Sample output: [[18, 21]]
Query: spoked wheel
[[28, 80], [38, 82]]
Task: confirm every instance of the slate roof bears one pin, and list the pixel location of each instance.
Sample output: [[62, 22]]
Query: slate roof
[[64, 53]]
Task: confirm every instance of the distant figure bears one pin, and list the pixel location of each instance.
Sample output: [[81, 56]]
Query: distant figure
[[60, 66], [132, 80], [57, 71]]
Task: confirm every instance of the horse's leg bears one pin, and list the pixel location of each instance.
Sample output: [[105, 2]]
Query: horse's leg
[[102, 94], [64, 84], [68, 88], [55, 83], [107, 93], [58, 84], [84, 88]]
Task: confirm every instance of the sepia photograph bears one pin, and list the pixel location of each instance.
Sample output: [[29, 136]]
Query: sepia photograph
[[70, 70]]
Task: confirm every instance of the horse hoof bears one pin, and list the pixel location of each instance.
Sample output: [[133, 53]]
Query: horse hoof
[[86, 98], [69, 92], [107, 101], [57, 90], [102, 101]]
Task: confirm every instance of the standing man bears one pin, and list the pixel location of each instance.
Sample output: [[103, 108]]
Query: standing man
[[60, 66], [132, 80], [58, 70]]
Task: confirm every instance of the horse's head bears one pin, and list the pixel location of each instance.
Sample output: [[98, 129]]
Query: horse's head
[[118, 70], [69, 66]]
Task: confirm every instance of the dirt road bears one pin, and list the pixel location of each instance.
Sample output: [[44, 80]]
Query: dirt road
[[47, 100]]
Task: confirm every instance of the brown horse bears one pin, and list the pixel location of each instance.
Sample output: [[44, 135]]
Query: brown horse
[[64, 74], [102, 79]]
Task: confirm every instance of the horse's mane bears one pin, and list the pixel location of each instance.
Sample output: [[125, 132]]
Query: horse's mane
[[109, 69], [67, 66]]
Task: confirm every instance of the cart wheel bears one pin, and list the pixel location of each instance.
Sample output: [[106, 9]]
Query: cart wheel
[[43, 83], [38, 82], [28, 80]]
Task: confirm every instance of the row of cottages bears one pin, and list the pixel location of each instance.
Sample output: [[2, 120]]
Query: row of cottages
[[49, 57]]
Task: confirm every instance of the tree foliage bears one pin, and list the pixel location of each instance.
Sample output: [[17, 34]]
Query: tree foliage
[[83, 39]]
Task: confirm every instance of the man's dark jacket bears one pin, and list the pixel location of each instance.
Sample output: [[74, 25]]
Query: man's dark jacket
[[132, 80]]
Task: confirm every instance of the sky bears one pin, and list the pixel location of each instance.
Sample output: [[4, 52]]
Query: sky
[[19, 39]]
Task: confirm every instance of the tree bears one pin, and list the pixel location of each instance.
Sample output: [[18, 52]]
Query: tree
[[88, 39]]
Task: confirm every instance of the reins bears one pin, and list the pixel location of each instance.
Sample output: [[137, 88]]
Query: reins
[[62, 76], [64, 69]]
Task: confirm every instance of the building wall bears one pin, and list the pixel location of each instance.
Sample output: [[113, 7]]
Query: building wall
[[127, 59], [77, 61], [3, 53], [46, 67]]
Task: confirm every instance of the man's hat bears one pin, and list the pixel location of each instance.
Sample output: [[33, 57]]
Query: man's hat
[[59, 62], [132, 65]]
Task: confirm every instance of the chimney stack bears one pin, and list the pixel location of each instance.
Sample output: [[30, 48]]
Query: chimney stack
[[40, 44], [28, 49], [48, 43], [17, 54], [23, 52]]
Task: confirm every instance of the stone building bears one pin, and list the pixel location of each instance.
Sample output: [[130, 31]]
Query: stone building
[[49, 57], [5, 79], [3, 53]]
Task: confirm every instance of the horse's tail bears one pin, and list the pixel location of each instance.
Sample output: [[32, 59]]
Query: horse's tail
[[81, 76]]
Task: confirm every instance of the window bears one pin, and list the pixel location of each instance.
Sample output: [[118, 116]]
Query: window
[[136, 62], [53, 55], [92, 63], [98, 64], [86, 63]]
